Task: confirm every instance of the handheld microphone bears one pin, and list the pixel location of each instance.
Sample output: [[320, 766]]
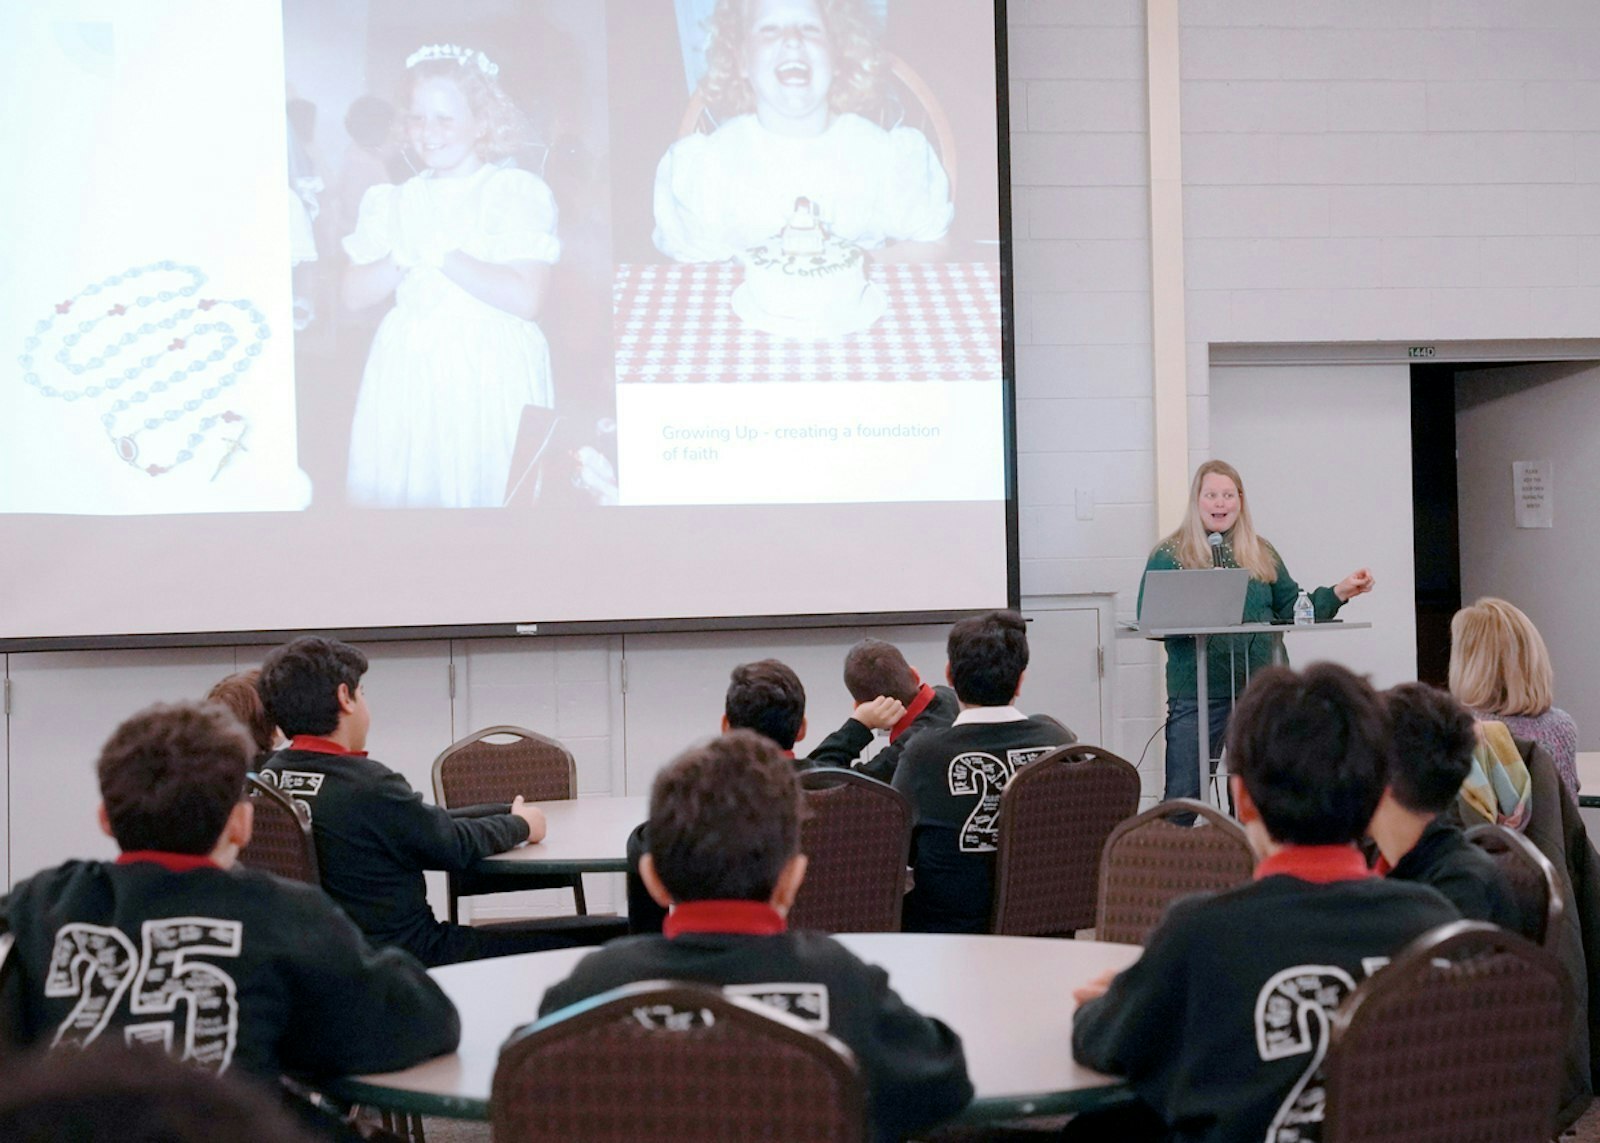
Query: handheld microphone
[[1215, 540]]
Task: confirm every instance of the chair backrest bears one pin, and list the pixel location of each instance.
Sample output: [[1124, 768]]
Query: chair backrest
[[280, 841], [1055, 816], [909, 102], [475, 771], [733, 1068], [856, 838], [1149, 862], [1461, 1037], [1532, 877]]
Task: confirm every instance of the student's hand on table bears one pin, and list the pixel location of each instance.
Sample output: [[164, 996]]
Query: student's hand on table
[[1358, 582], [533, 815], [1096, 988], [880, 713]]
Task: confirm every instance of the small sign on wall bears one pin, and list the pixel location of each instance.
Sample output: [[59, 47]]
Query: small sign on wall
[[1533, 492]]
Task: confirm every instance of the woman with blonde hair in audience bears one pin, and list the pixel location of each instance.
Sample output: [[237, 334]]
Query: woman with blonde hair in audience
[[1500, 668]]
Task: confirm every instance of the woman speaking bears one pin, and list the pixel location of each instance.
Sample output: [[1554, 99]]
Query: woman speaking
[[1218, 507]]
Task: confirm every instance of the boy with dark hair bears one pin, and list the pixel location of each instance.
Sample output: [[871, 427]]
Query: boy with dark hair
[[954, 775], [171, 945], [374, 833], [724, 857], [889, 695], [1221, 1025], [767, 697], [1433, 737]]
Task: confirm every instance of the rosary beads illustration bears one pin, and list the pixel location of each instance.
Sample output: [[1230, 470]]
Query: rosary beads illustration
[[185, 341]]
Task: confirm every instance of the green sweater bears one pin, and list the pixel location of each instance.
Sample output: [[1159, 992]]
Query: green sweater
[[1232, 659]]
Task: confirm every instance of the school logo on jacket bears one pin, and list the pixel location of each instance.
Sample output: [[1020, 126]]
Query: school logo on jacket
[[984, 776], [807, 1003], [300, 783], [97, 966]]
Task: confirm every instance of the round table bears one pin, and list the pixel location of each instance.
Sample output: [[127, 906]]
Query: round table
[[584, 835], [1009, 998]]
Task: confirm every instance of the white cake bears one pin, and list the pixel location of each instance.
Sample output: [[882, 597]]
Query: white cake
[[805, 282]]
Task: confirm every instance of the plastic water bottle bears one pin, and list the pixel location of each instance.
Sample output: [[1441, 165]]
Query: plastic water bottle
[[1304, 614]]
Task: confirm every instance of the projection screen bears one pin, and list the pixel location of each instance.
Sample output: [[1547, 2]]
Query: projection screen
[[367, 314]]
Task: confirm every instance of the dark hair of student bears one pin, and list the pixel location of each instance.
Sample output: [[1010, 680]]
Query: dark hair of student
[[1432, 737], [1313, 751], [170, 775], [725, 819], [874, 668], [766, 696], [988, 654], [300, 683], [241, 694], [112, 1093]]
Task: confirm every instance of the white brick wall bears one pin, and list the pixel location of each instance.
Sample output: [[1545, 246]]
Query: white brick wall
[[1081, 224]]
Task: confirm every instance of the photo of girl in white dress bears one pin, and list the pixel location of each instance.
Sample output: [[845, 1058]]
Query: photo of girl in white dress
[[465, 247], [789, 86]]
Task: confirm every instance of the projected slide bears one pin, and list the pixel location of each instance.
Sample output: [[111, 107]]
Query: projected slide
[[142, 297], [503, 301]]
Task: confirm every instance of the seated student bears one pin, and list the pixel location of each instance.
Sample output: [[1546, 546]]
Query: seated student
[[725, 859], [229, 968], [1221, 1025], [890, 696], [765, 696], [374, 833], [954, 776], [241, 693], [1433, 738]]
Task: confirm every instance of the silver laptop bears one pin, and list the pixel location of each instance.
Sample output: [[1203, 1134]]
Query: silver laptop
[[1199, 597]]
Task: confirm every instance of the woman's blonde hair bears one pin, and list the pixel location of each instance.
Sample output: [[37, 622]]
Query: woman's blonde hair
[[1190, 546], [858, 65], [1498, 661]]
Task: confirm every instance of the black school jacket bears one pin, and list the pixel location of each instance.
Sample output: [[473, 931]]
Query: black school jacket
[[1469, 879], [844, 746], [912, 1065], [375, 836], [954, 777], [1225, 1014], [232, 969]]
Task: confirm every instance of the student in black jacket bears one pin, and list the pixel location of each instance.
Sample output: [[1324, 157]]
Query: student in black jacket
[[889, 695], [954, 775], [230, 969], [374, 833], [1433, 739], [765, 696], [724, 858], [1222, 1024]]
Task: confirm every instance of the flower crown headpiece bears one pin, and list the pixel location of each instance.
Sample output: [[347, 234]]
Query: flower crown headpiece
[[463, 56]]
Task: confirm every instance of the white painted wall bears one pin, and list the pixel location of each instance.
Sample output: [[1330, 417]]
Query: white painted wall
[[1325, 454], [1536, 412]]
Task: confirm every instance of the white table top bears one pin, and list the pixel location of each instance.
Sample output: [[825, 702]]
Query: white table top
[[584, 835], [1016, 1026]]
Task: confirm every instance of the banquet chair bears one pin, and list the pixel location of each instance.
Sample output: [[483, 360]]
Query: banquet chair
[[661, 1061], [280, 839], [908, 102], [1055, 816], [1532, 878], [1149, 861], [1459, 1038], [476, 771], [856, 836]]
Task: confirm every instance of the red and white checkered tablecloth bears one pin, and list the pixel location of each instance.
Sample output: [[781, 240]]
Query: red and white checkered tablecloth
[[674, 323]]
